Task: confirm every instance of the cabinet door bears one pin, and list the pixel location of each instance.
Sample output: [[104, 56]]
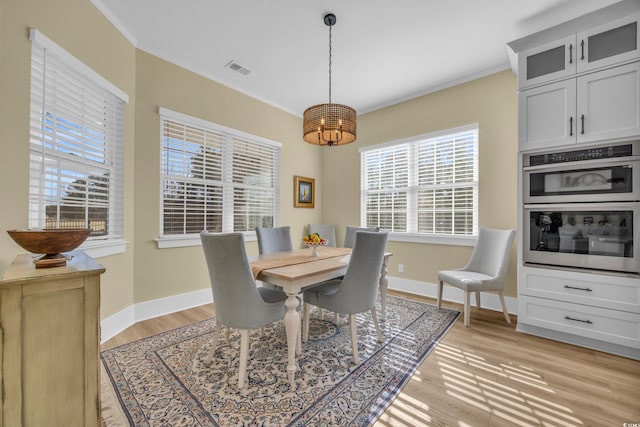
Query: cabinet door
[[609, 103], [608, 44], [546, 115], [548, 62]]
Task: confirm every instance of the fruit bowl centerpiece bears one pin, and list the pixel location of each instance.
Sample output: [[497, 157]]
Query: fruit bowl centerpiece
[[313, 241], [50, 242]]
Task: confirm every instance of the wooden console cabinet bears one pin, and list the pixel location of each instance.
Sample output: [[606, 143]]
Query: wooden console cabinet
[[49, 343]]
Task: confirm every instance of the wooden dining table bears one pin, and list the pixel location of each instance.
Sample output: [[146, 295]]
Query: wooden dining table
[[293, 270]]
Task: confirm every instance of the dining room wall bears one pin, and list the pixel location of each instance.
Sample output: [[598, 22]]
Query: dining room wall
[[144, 272], [78, 27], [163, 273], [491, 102]]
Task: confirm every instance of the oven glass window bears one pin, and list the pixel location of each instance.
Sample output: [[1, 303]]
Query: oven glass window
[[600, 232], [605, 180]]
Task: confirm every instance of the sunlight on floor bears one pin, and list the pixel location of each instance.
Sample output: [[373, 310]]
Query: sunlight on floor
[[513, 394], [477, 382]]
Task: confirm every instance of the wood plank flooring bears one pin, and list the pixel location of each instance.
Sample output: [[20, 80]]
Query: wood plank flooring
[[490, 375]]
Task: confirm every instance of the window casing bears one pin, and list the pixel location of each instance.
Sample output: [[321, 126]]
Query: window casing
[[76, 146], [215, 178], [423, 186]]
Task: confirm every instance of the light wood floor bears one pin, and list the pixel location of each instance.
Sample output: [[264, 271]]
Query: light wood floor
[[491, 375]]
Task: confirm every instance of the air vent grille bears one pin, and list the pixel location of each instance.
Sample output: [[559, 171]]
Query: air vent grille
[[232, 65]]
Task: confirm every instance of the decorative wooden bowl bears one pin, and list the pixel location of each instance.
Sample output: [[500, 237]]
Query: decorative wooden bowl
[[50, 242]]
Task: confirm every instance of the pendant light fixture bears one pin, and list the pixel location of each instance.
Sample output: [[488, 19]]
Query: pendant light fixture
[[329, 124]]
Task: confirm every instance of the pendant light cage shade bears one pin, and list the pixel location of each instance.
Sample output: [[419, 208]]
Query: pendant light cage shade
[[329, 124]]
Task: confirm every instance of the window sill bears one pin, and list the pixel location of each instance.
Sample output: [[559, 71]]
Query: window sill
[[102, 248], [168, 242], [433, 239]]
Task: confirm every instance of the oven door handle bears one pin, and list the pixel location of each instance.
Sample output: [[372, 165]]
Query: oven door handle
[[582, 206], [568, 166]]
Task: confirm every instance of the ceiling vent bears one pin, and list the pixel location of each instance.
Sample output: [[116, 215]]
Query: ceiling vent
[[237, 67]]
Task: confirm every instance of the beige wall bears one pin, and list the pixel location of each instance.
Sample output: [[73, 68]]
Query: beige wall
[[145, 272], [492, 103], [80, 29], [165, 272]]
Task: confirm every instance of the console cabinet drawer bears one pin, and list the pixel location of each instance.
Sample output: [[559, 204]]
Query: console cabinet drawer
[[617, 293], [591, 322]]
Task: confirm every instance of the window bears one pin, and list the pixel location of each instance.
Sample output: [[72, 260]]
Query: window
[[215, 178], [425, 186], [76, 145]]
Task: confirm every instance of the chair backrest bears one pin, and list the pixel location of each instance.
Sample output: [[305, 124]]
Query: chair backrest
[[276, 239], [326, 231], [361, 281], [350, 234], [492, 252], [235, 295]]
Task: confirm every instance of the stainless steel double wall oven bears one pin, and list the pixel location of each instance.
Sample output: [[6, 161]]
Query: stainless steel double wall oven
[[582, 208]]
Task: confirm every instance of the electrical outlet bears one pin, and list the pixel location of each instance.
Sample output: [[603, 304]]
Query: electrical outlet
[[400, 268]]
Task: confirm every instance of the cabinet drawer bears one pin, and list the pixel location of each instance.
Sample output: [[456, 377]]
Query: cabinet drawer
[[596, 323], [617, 293]]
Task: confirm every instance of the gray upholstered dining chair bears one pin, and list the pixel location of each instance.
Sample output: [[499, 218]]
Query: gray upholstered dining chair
[[350, 234], [238, 302], [325, 230], [357, 291], [273, 239], [485, 272]]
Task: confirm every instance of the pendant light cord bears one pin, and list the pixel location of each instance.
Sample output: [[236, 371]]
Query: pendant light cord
[[330, 64]]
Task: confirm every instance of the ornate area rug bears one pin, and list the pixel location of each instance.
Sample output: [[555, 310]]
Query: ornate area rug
[[163, 380]]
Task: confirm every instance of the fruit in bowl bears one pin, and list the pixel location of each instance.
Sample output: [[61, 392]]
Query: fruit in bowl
[[314, 240]]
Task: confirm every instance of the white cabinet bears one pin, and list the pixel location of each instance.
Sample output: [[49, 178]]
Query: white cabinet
[[595, 310], [608, 104], [551, 61], [606, 45], [593, 107], [547, 115]]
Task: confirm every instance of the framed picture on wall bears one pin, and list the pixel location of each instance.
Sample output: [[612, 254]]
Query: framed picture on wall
[[303, 192]]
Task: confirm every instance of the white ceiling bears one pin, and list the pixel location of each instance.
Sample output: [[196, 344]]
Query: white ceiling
[[384, 51]]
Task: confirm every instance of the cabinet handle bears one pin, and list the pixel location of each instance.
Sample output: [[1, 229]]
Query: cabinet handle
[[570, 54], [578, 320], [571, 126], [582, 49], [578, 288], [582, 121]]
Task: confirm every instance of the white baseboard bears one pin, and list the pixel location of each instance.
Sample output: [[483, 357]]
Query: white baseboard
[[488, 300], [114, 324]]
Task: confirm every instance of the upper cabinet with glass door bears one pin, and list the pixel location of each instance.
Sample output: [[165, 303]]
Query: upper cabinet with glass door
[[603, 46]]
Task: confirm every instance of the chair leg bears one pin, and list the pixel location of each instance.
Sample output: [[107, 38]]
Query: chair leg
[[504, 307], [321, 315], [227, 334], [478, 300], [354, 338], [305, 322], [374, 315], [244, 354], [467, 303], [214, 344], [440, 286], [337, 319]]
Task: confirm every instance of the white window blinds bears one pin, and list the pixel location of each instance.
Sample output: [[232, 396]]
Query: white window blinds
[[428, 185], [215, 178], [76, 145]]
